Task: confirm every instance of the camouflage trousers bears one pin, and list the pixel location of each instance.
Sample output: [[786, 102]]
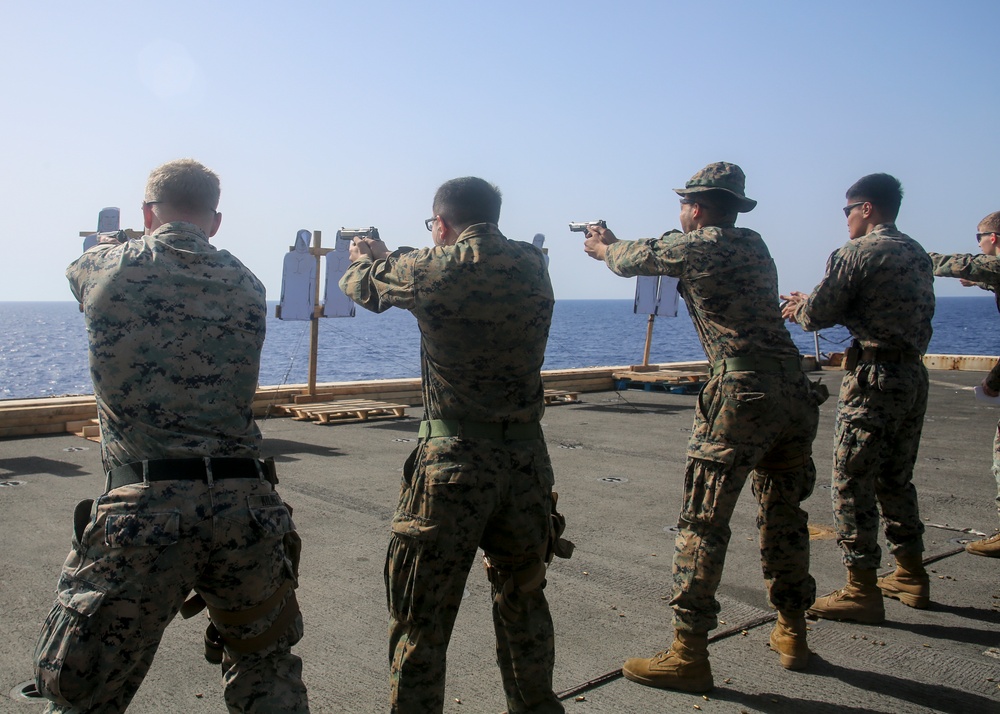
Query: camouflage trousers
[[140, 553], [880, 415], [457, 495], [747, 423], [996, 465]]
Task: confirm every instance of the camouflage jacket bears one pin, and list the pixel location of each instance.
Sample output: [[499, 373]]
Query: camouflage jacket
[[175, 329], [483, 306], [984, 271], [880, 287], [728, 282]]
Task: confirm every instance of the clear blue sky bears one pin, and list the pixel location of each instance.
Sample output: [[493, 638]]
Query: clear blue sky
[[325, 114]]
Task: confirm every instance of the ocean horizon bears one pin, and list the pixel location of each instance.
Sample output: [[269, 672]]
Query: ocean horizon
[[44, 352]]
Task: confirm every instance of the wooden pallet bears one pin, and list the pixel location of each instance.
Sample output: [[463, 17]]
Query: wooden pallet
[[662, 380], [345, 410], [557, 396], [666, 387], [666, 376]]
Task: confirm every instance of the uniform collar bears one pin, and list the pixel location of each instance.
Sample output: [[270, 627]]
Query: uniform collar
[[478, 230]]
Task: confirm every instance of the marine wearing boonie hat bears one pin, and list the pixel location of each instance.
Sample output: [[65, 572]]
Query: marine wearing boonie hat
[[720, 176]]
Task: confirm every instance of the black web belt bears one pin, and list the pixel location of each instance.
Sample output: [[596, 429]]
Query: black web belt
[[875, 354], [878, 355], [185, 470]]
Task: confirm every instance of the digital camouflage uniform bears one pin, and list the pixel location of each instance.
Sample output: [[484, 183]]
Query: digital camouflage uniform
[[758, 416], [880, 287], [175, 329], [984, 271], [483, 307]]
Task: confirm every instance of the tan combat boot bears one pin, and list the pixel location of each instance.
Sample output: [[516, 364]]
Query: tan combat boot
[[860, 600], [909, 583], [788, 639], [684, 666], [990, 547]]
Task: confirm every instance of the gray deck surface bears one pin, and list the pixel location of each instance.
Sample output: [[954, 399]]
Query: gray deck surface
[[619, 467]]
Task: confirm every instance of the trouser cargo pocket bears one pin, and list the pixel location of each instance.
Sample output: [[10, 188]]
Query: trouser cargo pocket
[[411, 534], [70, 649], [708, 462]]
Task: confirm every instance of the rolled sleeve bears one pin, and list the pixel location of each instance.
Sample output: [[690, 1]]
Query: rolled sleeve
[[984, 270], [651, 256], [381, 284]]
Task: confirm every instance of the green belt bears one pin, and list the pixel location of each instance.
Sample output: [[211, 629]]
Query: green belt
[[502, 431], [756, 364]]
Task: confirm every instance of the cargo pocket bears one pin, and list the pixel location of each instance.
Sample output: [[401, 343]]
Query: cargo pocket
[[405, 583], [142, 530], [853, 453], [708, 462], [71, 649], [271, 519]]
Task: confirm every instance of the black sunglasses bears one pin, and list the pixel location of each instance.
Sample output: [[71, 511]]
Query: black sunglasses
[[979, 236], [851, 206]]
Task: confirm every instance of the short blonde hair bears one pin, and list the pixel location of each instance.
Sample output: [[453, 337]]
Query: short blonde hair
[[184, 185], [991, 223]]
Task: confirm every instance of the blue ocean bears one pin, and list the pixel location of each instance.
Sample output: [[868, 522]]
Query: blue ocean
[[43, 345]]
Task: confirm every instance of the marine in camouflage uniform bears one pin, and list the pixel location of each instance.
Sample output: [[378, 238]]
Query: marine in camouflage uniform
[[175, 329], [755, 418], [982, 271], [481, 475], [879, 285]]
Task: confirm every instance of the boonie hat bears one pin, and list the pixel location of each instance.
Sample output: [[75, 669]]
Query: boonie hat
[[720, 176]]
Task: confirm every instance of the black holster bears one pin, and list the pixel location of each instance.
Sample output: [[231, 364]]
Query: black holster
[[852, 355]]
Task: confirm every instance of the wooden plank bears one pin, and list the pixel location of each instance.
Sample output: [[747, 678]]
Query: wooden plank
[[663, 377], [43, 418], [32, 430], [56, 401], [700, 366], [604, 385], [8, 413], [396, 395], [348, 406], [354, 419]]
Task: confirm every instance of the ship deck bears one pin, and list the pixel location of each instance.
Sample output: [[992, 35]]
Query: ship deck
[[618, 459]]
